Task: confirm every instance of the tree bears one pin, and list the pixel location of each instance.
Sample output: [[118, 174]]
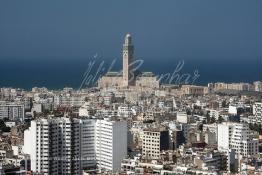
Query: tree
[[212, 120], [3, 127], [220, 119], [224, 104], [2, 124], [6, 129], [208, 117], [256, 127], [200, 127]]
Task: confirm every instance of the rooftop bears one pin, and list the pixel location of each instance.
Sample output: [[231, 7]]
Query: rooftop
[[114, 74]]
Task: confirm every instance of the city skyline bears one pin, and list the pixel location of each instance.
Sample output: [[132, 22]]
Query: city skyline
[[131, 87]]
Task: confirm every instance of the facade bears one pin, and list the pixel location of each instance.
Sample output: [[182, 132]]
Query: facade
[[129, 77], [86, 110], [214, 113], [124, 111], [111, 144], [182, 117], [194, 90], [154, 141], [234, 86], [148, 116], [237, 136], [68, 100], [60, 146], [176, 139], [257, 110], [147, 79], [109, 98], [210, 159], [258, 86], [239, 86], [12, 111]]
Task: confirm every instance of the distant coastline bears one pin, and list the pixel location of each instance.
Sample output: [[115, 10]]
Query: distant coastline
[[57, 74]]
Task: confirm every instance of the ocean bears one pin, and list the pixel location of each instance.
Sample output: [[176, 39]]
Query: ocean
[[58, 73]]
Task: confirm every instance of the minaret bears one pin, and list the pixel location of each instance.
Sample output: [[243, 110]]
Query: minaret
[[128, 54]]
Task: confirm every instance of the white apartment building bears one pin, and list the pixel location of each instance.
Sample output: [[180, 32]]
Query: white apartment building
[[214, 113], [111, 144], [12, 111], [237, 136], [258, 86], [257, 109], [67, 146], [68, 100], [37, 107], [60, 146], [106, 112], [125, 111], [182, 117], [232, 110]]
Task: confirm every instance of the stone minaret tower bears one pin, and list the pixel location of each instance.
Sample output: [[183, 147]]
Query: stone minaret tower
[[128, 56]]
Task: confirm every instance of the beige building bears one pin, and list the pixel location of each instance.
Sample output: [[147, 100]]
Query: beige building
[[194, 90], [145, 116], [234, 86], [154, 141], [128, 77]]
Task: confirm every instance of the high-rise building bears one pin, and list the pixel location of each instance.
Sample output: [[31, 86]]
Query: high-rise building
[[238, 137], [68, 146], [60, 146], [257, 110], [111, 144]]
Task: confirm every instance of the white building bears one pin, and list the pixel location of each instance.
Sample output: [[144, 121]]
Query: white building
[[111, 144], [182, 117], [12, 111], [60, 146], [257, 109], [10, 124], [69, 100], [214, 113], [258, 86], [37, 107], [237, 136], [67, 146], [232, 110], [125, 111], [17, 149]]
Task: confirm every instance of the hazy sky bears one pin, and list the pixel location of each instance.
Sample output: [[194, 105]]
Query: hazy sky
[[210, 29]]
